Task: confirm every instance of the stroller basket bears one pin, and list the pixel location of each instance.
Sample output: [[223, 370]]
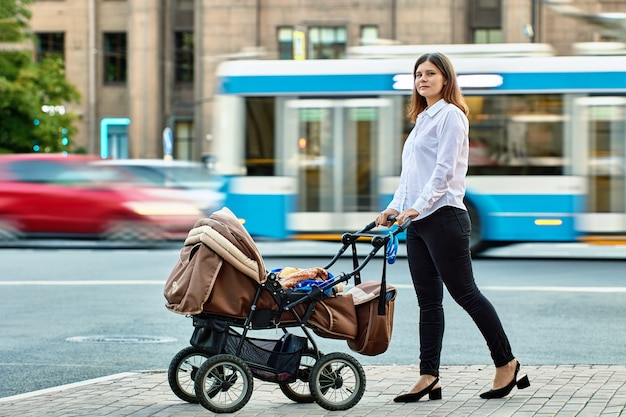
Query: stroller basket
[[269, 360], [209, 334]]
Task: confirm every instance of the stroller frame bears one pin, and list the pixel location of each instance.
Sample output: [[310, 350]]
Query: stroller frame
[[221, 362]]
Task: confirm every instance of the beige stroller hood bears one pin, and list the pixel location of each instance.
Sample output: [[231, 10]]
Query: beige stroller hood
[[217, 246]]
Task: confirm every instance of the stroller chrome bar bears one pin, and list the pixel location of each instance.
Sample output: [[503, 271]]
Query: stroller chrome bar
[[377, 241]]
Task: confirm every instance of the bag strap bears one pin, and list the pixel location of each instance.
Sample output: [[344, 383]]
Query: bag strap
[[383, 286], [355, 263]]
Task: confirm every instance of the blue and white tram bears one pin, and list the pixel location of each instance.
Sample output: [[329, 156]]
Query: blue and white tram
[[313, 147]]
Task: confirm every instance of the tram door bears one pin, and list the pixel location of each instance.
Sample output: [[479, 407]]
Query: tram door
[[334, 149], [600, 130]]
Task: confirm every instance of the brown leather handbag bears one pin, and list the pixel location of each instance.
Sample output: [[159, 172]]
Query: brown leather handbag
[[374, 317]]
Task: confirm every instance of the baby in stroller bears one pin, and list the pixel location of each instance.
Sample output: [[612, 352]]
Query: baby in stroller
[[220, 280]]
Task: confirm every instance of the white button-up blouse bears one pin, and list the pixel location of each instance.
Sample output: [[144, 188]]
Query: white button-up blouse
[[434, 161]]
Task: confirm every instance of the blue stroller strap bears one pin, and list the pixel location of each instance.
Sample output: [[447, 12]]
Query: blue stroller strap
[[392, 248]]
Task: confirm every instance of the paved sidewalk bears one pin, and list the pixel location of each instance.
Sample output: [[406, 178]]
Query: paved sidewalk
[[561, 390]]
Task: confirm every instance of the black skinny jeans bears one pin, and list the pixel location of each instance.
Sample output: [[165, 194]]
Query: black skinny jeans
[[438, 253]]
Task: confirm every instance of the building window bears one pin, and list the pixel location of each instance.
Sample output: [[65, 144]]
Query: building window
[[369, 35], [183, 60], [285, 42], [327, 42], [183, 140], [485, 21], [487, 36], [115, 56], [52, 43]]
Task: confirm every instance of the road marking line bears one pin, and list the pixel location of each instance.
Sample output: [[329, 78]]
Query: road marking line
[[82, 282], [542, 288], [52, 390], [162, 282], [556, 289]]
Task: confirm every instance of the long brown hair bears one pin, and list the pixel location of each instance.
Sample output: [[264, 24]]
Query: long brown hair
[[451, 91]]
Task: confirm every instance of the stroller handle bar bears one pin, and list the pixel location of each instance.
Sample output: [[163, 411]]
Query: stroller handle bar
[[377, 241], [392, 219]]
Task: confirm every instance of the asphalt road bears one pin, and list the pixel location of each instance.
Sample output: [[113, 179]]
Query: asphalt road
[[75, 314]]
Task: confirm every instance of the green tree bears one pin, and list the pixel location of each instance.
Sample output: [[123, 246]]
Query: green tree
[[33, 95]]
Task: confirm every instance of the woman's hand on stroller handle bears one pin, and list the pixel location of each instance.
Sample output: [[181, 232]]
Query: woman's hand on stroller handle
[[404, 225], [378, 240], [391, 219], [386, 217]]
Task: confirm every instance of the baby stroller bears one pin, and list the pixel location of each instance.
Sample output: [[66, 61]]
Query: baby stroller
[[220, 281]]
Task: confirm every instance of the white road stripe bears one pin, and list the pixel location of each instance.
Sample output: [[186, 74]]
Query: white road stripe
[[542, 288], [82, 282], [51, 390], [557, 289], [406, 286]]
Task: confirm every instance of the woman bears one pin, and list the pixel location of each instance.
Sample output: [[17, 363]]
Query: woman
[[431, 192]]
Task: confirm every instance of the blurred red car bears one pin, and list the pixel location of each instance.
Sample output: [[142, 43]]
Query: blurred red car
[[65, 196]]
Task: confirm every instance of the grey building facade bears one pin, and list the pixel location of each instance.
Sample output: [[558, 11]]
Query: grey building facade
[[145, 65]]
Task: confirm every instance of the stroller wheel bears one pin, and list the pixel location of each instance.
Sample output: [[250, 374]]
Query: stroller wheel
[[183, 370], [337, 381], [223, 384], [298, 390]]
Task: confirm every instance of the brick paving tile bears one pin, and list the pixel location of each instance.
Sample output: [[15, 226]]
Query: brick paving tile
[[556, 390]]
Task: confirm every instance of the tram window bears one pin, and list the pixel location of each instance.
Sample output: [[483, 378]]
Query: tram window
[[260, 136], [516, 134]]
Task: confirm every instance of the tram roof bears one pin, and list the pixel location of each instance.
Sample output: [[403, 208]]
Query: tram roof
[[370, 76], [452, 50], [405, 65]]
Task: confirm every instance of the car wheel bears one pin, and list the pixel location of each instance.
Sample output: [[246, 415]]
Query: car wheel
[[129, 231], [8, 231], [477, 244]]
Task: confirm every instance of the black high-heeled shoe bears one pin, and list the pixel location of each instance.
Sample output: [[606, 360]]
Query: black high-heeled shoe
[[433, 394], [504, 391]]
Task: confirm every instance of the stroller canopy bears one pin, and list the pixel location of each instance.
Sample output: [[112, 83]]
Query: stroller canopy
[[226, 236], [216, 246]]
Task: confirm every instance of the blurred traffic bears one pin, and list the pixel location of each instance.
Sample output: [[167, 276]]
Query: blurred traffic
[[76, 196], [177, 179]]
